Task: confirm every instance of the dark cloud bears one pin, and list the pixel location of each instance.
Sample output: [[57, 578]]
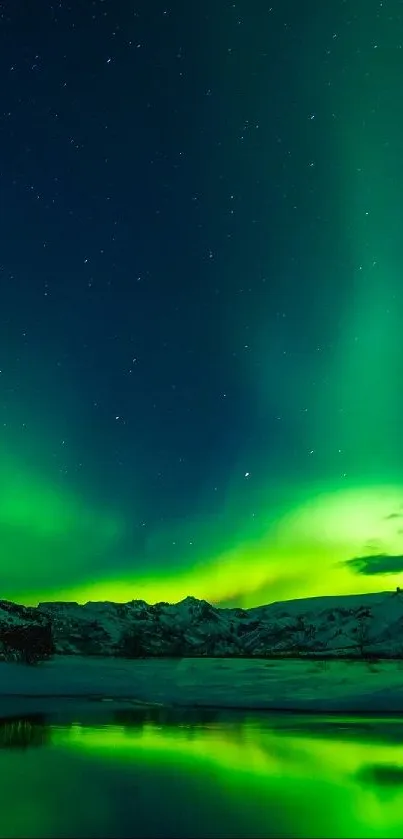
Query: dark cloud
[[385, 775], [268, 591], [378, 564]]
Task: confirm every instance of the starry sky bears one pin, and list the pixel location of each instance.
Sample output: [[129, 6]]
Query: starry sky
[[201, 299]]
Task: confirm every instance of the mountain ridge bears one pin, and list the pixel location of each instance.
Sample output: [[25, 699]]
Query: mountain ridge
[[332, 626]]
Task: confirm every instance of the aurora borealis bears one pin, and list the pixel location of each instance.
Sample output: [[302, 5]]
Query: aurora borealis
[[201, 300]]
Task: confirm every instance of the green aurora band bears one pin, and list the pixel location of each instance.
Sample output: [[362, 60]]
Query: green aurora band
[[57, 543]]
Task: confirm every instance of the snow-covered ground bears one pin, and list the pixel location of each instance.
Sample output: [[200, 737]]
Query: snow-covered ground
[[336, 686]]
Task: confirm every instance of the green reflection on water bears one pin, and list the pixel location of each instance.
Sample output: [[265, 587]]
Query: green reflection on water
[[173, 776]]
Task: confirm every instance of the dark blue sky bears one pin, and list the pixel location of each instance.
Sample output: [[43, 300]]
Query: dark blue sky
[[176, 259]]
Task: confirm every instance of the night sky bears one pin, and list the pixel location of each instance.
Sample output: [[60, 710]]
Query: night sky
[[201, 299]]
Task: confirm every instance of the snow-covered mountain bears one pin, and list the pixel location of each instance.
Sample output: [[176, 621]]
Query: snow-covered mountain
[[351, 625]]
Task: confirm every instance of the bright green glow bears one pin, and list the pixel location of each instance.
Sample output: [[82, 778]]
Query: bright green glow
[[320, 533], [56, 545], [46, 533]]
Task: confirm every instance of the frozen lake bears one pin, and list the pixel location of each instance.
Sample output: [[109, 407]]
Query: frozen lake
[[298, 685]]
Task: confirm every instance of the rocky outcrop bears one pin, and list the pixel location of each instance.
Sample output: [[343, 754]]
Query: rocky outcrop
[[25, 634]]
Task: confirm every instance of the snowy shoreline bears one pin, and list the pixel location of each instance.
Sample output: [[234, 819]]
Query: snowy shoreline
[[100, 685]]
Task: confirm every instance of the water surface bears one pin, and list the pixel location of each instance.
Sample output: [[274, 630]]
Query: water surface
[[160, 774]]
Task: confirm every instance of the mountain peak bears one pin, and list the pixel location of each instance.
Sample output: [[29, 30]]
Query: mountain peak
[[334, 626]]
